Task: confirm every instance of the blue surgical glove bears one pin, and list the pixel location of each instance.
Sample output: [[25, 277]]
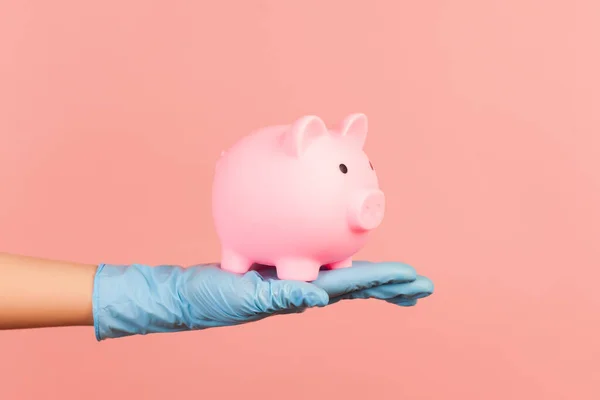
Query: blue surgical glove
[[139, 299]]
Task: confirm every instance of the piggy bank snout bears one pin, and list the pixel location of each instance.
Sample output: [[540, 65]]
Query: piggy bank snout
[[367, 209]]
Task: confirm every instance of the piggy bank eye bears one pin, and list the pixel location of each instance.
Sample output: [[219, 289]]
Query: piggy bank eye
[[343, 168], [371, 165]]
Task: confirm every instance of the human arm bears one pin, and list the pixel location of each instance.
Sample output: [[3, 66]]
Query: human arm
[[39, 293], [125, 300]]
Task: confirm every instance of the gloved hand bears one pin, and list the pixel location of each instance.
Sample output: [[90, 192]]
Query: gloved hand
[[139, 299]]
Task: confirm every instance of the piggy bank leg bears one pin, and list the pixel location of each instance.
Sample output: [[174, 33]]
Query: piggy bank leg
[[298, 269], [233, 262], [340, 264]]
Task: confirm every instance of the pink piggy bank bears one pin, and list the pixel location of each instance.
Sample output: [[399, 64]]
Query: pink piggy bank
[[297, 197]]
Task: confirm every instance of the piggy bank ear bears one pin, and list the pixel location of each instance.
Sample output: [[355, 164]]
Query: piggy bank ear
[[302, 133], [355, 127]]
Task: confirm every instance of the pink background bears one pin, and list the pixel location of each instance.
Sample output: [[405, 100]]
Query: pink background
[[485, 124]]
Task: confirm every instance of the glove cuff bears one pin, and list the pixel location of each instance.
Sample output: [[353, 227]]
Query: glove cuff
[[136, 300]]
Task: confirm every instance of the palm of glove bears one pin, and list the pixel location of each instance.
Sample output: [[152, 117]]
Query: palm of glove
[[213, 297]]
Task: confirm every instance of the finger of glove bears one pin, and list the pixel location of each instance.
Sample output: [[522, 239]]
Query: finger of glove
[[289, 295], [419, 288], [363, 275], [403, 303]]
